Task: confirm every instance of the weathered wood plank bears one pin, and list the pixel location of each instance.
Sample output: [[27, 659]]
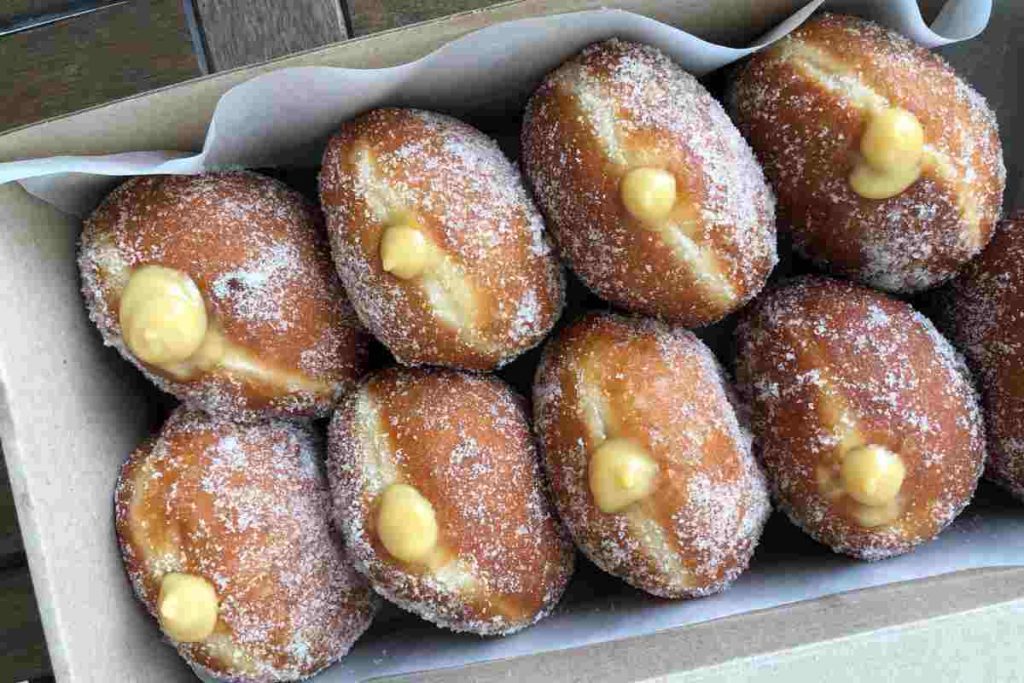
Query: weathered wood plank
[[110, 53], [21, 632], [371, 16], [241, 32], [712, 21], [35, 8]]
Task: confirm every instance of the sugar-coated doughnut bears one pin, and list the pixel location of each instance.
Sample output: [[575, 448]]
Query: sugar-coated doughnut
[[220, 288], [653, 197], [226, 537], [887, 166], [986, 321], [650, 467], [438, 491], [438, 243], [864, 415]]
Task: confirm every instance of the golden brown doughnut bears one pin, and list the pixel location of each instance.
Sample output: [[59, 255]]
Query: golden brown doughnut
[[438, 491], [651, 470], [864, 415], [225, 532], [220, 288], [986, 316], [888, 167], [438, 243], [653, 197]]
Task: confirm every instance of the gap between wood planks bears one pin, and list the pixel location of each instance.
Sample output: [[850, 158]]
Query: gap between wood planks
[[67, 55]]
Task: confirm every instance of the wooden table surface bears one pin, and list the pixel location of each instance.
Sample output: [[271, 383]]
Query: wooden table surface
[[58, 56]]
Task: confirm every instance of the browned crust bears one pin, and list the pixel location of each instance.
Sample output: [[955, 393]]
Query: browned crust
[[247, 508], [464, 442], [668, 394], [470, 201], [815, 343], [987, 324], [214, 227], [681, 126], [807, 137]]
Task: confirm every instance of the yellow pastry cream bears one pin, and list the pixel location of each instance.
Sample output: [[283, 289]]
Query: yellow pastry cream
[[620, 473], [891, 152]]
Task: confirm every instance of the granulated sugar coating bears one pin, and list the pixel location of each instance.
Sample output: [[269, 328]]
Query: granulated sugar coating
[[245, 507], [502, 559], [609, 377], [618, 106], [493, 288], [804, 104], [829, 367], [986, 319], [258, 253]]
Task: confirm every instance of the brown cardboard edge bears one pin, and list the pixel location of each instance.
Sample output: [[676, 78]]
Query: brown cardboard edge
[[761, 632], [55, 561], [27, 523], [23, 500]]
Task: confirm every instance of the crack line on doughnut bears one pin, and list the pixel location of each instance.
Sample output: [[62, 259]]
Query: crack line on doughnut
[[167, 557], [111, 264], [600, 112], [240, 362], [378, 464], [220, 647], [234, 358], [452, 300], [447, 288], [648, 532], [593, 404], [158, 558], [680, 235], [459, 577], [703, 264], [381, 469], [835, 415], [836, 77]]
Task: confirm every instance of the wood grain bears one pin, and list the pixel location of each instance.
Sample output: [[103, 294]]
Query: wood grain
[[22, 643], [241, 32], [35, 8], [371, 16], [729, 22], [107, 54]]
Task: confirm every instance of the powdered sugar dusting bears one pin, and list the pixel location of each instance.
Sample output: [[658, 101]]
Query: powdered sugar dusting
[[255, 291], [803, 105], [618, 105], [816, 343], [257, 251], [663, 389], [455, 184], [985, 311], [247, 508], [503, 559]]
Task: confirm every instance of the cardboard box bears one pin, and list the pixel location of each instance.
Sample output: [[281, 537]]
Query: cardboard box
[[70, 410]]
